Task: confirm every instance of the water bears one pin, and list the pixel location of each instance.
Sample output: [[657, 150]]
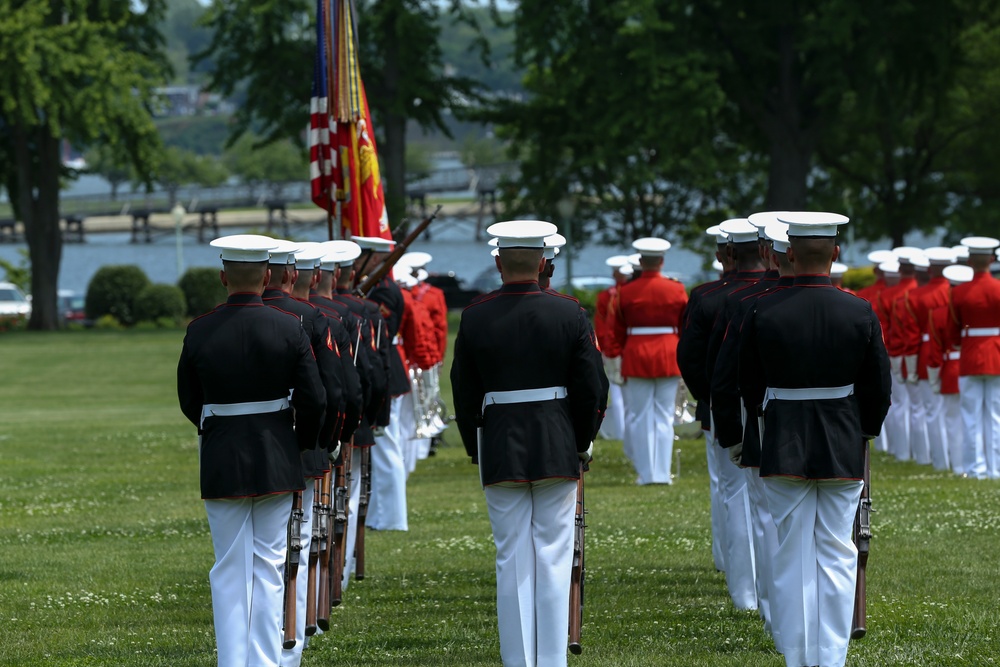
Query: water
[[452, 247]]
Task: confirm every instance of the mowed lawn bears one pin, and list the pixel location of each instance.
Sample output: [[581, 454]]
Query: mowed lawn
[[105, 550]]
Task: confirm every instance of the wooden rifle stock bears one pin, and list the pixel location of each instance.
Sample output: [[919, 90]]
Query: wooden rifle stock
[[366, 490], [340, 490], [862, 538], [369, 282], [317, 530], [323, 589], [579, 571], [294, 546]]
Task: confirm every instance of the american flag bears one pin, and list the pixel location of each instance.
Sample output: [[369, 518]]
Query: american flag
[[320, 123]]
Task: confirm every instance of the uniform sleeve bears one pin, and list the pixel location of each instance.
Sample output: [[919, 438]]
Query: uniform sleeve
[[692, 349], [308, 395], [750, 371], [873, 387], [189, 391], [331, 375], [726, 407], [467, 394], [588, 385], [617, 331], [718, 333], [353, 395]]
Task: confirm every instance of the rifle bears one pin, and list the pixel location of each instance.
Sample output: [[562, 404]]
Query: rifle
[[579, 571], [342, 474], [368, 283], [323, 589], [366, 491], [862, 538], [292, 570], [319, 534]]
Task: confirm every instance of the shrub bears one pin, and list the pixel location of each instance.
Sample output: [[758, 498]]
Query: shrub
[[156, 302], [107, 322], [202, 290], [856, 279], [113, 291]]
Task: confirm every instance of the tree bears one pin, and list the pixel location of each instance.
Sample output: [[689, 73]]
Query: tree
[[82, 71], [177, 167], [274, 163], [114, 168]]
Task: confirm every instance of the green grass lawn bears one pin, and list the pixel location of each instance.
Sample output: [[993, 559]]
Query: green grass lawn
[[105, 550]]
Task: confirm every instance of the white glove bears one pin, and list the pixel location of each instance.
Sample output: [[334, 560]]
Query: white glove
[[735, 454], [588, 455], [896, 365], [911, 368], [934, 377], [334, 453], [613, 369]]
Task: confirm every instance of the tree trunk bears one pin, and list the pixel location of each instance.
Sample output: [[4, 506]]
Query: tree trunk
[[394, 148], [789, 166], [37, 163]]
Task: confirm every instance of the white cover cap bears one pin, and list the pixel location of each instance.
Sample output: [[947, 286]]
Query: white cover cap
[[633, 260], [616, 260], [961, 252], [837, 269], [416, 259], [308, 255], [920, 262], [717, 265], [890, 268], [812, 223], [939, 255], [552, 244], [760, 221], [284, 253], [403, 275], [721, 238], [958, 273], [374, 243], [421, 275], [650, 246], [521, 233], [740, 230], [340, 253], [245, 247], [777, 231], [626, 269], [980, 245], [879, 256], [904, 254]]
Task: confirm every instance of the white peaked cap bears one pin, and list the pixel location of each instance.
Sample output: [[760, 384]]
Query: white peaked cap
[[284, 253], [920, 261], [633, 260], [879, 256], [403, 275], [616, 260], [906, 253], [762, 219], [812, 223], [717, 265], [521, 233], [626, 269], [340, 253], [891, 267], [552, 244], [495, 252], [375, 243], [980, 245], [422, 275], [721, 238], [650, 246], [777, 232], [940, 255], [245, 247], [417, 260], [837, 269], [958, 273], [740, 230], [308, 255], [961, 252]]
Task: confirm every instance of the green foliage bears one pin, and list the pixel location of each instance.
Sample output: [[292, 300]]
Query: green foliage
[[114, 291], [110, 163], [275, 163], [202, 290], [160, 302], [108, 323], [203, 135], [12, 323], [856, 279], [20, 274], [177, 167], [587, 299]]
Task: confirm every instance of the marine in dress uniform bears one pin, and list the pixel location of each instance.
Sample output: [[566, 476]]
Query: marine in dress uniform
[[814, 419], [433, 299], [552, 245], [527, 376], [646, 321], [387, 506], [613, 427], [238, 366], [975, 308]]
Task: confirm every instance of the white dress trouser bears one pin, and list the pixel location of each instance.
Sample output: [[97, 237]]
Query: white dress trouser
[[920, 448], [613, 426], [717, 507], [293, 657], [408, 432], [387, 507], [815, 567], [533, 531], [981, 418], [897, 421], [740, 568], [649, 426], [353, 499], [249, 536], [765, 543], [953, 433], [937, 436]]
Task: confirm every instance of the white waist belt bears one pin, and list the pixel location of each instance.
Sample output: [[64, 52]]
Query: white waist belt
[[807, 393], [926, 338], [237, 409], [953, 356], [977, 333], [650, 331], [524, 395]]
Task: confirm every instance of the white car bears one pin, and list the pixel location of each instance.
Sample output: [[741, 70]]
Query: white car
[[13, 301]]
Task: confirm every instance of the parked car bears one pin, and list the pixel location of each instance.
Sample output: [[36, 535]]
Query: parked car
[[456, 294], [13, 301], [71, 308]]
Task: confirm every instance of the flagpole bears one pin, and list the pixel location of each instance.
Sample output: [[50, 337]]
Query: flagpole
[[328, 37]]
